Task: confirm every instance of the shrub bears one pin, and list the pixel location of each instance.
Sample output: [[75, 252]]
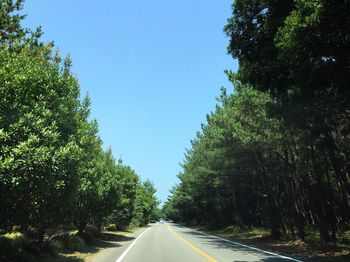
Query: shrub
[[53, 246], [75, 242], [135, 223], [87, 236], [16, 239], [111, 227], [14, 247], [93, 230], [69, 241]]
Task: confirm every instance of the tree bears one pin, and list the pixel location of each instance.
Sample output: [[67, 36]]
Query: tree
[[128, 181], [12, 34], [39, 125], [53, 169], [145, 203], [275, 153], [297, 51], [90, 170]]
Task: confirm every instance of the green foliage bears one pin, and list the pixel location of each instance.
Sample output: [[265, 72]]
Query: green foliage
[[275, 153], [216, 177], [145, 203], [157, 214], [38, 128], [68, 241], [53, 170], [246, 168], [128, 184], [15, 247], [16, 239], [53, 246], [12, 34], [111, 227]]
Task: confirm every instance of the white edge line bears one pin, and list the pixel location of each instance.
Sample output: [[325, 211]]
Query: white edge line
[[129, 247], [250, 247]]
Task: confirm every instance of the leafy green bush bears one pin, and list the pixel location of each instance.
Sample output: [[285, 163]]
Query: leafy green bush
[[68, 241], [345, 238], [53, 246], [87, 236], [93, 230], [16, 239], [111, 227], [76, 242], [14, 247], [135, 223]]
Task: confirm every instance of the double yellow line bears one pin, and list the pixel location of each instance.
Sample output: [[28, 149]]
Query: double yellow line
[[196, 249]]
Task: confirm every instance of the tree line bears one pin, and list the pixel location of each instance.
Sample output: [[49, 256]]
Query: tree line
[[275, 152], [53, 168]]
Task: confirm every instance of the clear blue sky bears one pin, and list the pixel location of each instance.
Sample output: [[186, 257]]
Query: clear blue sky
[[152, 69]]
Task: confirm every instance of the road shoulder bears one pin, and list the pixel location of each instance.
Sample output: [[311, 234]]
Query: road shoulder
[[116, 248], [302, 250]]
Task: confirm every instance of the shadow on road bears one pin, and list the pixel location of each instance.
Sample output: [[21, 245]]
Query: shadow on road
[[270, 259], [222, 244], [110, 236], [318, 255]]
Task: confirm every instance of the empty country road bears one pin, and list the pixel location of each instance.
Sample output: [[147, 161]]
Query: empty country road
[[172, 243]]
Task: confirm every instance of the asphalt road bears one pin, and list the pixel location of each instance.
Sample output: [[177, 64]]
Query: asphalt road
[[172, 243]]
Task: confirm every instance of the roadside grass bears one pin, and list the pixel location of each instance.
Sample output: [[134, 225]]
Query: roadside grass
[[310, 251], [61, 245], [105, 239], [130, 229], [83, 254]]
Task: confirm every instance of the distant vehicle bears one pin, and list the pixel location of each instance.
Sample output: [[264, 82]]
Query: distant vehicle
[[161, 221]]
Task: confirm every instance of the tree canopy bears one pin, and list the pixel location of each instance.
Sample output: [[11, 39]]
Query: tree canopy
[[53, 167], [275, 152]]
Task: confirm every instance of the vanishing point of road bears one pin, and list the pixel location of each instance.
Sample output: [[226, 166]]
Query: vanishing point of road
[[170, 242]]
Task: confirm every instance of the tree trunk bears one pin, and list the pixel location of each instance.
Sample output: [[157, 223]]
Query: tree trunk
[[41, 234], [324, 234], [81, 226]]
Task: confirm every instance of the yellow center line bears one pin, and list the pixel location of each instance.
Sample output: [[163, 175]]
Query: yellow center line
[[196, 249]]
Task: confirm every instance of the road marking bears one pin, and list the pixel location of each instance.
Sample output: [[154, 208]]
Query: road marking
[[250, 247], [196, 249], [129, 247]]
